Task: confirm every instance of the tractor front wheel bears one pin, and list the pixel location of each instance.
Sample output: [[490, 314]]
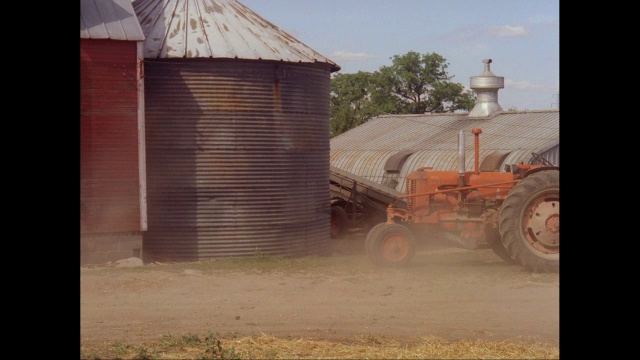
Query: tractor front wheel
[[530, 222], [339, 221], [390, 245]]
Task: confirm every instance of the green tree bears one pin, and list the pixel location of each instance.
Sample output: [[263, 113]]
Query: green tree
[[422, 84], [354, 100], [414, 84]]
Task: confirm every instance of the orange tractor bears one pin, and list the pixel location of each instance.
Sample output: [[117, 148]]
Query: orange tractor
[[516, 212]]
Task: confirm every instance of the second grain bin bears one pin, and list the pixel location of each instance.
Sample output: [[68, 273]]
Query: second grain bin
[[237, 134]]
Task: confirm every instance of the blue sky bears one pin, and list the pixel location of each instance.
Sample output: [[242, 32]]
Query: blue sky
[[522, 37]]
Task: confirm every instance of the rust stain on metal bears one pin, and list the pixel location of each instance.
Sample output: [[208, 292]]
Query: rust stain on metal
[[175, 31], [213, 7]]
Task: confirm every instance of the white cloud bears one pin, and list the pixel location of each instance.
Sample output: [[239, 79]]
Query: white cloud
[[508, 31], [349, 56]]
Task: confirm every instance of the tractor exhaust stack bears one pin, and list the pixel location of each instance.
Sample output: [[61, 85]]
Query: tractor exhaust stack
[[461, 159], [476, 133]]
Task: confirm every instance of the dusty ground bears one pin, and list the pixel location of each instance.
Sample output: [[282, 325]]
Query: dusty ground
[[447, 292]]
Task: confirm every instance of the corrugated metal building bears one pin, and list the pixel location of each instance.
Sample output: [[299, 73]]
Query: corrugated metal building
[[386, 148], [237, 124], [112, 172]]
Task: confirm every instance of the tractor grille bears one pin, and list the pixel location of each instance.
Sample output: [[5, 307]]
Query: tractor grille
[[411, 189]]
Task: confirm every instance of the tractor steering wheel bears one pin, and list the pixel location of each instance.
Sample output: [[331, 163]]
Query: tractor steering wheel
[[540, 159]]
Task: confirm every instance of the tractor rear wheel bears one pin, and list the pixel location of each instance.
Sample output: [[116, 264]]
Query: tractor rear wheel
[[495, 243], [339, 221], [390, 245], [530, 222]]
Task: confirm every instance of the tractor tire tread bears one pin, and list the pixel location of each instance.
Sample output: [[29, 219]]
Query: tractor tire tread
[[511, 218]]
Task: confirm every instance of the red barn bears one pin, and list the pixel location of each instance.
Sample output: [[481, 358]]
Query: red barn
[[113, 214]]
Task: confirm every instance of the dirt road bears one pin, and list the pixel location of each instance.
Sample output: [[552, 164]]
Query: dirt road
[[448, 292]]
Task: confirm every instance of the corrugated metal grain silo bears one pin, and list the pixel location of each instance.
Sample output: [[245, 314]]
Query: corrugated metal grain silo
[[237, 125]]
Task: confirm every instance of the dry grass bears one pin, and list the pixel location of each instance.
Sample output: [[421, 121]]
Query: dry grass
[[363, 347]]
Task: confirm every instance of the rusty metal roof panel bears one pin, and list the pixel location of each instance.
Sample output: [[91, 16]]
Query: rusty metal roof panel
[[433, 141], [439, 131], [217, 29], [367, 164], [109, 19]]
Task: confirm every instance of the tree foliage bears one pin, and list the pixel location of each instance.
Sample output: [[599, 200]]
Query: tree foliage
[[414, 84], [350, 101]]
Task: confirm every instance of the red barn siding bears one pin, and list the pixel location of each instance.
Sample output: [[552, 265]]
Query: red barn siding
[[109, 137]]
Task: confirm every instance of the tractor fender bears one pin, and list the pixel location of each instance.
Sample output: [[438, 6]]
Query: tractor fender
[[538, 169]]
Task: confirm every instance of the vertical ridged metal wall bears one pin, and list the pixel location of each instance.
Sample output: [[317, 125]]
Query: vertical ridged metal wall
[[110, 183], [237, 158]]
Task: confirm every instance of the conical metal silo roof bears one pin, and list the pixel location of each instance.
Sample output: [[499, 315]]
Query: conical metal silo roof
[[223, 29]]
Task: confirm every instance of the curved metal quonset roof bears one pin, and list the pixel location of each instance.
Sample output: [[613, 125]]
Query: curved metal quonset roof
[[217, 29], [109, 19], [391, 146]]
